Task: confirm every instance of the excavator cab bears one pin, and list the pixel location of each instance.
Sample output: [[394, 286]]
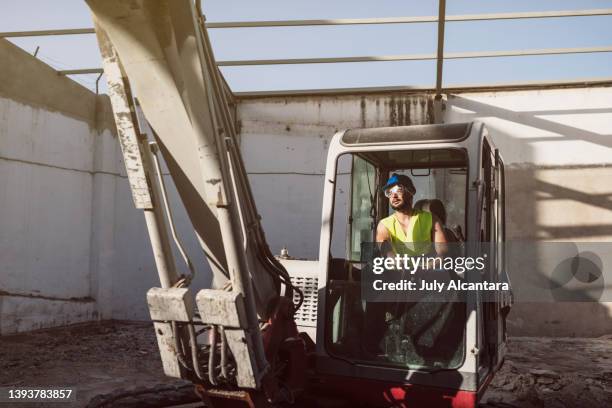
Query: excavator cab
[[405, 351]]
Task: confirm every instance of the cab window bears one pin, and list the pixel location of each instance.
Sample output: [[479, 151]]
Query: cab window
[[426, 335]]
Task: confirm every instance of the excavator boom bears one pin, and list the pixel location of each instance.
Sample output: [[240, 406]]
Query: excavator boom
[[158, 61]]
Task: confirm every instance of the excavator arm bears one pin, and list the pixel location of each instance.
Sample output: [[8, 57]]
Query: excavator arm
[[162, 76]]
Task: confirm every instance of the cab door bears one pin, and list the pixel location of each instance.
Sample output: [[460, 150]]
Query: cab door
[[495, 305], [488, 249], [504, 300]]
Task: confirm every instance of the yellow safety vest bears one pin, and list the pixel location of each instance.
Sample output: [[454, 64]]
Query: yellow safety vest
[[418, 239]]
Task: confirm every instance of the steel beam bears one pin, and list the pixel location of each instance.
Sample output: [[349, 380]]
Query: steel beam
[[437, 104], [347, 21], [411, 20], [530, 14], [81, 71], [440, 53], [407, 57], [330, 60], [416, 57], [525, 53], [42, 33]]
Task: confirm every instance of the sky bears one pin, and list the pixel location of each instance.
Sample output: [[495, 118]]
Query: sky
[[81, 51]]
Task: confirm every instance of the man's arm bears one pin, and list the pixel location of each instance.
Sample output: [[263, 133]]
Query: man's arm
[[382, 233], [383, 239]]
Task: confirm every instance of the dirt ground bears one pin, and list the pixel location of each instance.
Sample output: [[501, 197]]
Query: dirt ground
[[95, 359], [554, 372], [102, 358]]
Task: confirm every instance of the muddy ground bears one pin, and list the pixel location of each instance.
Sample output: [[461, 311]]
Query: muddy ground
[[112, 357]]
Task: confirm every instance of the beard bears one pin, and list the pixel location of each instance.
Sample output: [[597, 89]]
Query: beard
[[404, 205]]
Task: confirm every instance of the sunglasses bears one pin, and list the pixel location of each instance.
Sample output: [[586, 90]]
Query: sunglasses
[[395, 189]]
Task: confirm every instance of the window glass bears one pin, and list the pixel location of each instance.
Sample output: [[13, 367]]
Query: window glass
[[363, 195]]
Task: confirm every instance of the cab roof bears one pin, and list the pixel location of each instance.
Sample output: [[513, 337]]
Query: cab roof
[[446, 133]]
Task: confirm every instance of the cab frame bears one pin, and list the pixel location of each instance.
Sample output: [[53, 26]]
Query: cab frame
[[485, 336]]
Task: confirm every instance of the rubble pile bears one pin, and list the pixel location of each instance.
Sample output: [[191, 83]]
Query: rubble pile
[[550, 372]]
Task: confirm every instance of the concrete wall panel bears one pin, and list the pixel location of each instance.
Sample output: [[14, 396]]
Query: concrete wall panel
[[557, 145], [290, 206], [31, 134], [556, 127], [21, 314], [134, 272], [46, 229], [284, 143], [48, 129]]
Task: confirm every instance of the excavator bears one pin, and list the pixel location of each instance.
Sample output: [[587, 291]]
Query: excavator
[[273, 331]]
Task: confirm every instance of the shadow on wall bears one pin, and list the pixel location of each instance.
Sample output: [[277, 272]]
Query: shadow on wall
[[555, 191]]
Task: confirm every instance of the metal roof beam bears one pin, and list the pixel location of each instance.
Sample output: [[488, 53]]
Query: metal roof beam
[[440, 52], [346, 21], [418, 57], [411, 20], [81, 71], [42, 33], [408, 57], [439, 62]]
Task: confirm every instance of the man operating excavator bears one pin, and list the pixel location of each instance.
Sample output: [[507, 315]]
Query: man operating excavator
[[408, 230]]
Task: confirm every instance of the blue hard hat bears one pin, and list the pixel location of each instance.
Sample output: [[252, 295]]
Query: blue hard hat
[[400, 179]]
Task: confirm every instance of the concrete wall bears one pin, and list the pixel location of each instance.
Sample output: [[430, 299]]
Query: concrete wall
[[557, 145], [48, 139], [284, 143], [74, 248]]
